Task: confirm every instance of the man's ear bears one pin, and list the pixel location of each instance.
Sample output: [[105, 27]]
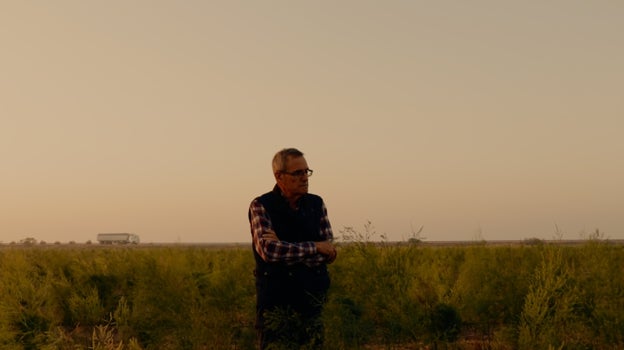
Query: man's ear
[[278, 175]]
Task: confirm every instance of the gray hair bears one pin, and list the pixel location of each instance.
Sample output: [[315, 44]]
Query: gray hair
[[281, 158]]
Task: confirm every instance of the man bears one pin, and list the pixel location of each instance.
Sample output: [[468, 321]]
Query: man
[[292, 246]]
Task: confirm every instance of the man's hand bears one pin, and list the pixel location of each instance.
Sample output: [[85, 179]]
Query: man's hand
[[327, 249], [270, 235]]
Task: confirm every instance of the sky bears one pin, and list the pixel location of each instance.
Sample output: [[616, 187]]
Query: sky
[[453, 120]]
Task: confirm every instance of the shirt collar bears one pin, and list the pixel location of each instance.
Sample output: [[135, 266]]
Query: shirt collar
[[277, 190]]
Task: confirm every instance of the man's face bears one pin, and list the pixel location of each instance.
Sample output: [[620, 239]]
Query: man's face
[[290, 184]]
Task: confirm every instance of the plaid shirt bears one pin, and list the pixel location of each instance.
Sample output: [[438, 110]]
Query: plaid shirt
[[271, 250]]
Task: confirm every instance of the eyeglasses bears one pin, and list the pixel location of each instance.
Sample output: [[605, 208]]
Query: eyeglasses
[[300, 173]]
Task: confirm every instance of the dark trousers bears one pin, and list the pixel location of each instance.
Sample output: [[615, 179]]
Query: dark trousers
[[289, 304]]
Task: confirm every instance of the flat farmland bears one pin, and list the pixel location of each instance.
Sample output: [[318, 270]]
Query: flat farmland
[[527, 294]]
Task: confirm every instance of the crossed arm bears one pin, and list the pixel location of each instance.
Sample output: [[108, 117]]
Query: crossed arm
[[271, 249]]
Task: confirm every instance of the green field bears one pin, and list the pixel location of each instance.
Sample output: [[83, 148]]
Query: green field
[[537, 296]]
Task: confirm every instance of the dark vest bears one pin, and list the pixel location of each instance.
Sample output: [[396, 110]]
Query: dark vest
[[291, 225]]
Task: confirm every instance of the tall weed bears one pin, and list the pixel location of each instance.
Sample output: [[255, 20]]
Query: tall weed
[[550, 315]]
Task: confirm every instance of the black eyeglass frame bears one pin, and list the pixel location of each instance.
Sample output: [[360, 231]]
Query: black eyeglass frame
[[300, 173]]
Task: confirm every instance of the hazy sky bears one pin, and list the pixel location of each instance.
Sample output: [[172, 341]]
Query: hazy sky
[[474, 119]]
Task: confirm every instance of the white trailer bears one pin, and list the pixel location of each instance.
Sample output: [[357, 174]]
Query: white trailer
[[117, 238]]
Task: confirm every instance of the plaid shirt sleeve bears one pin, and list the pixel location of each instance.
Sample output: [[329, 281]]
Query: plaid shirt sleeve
[[327, 234], [271, 250]]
